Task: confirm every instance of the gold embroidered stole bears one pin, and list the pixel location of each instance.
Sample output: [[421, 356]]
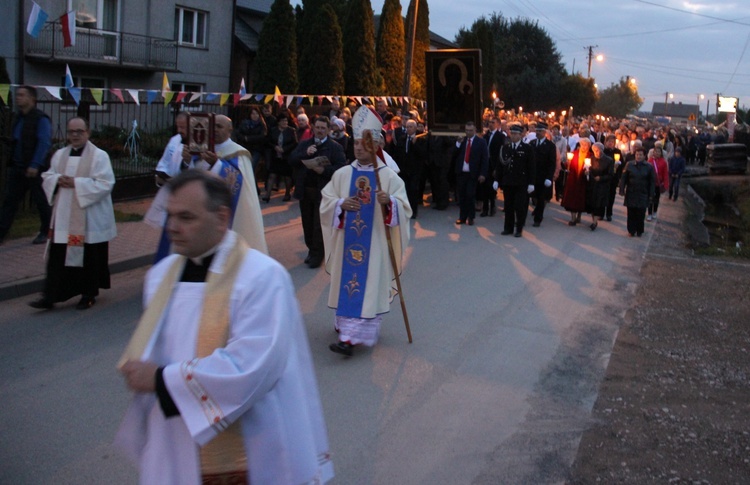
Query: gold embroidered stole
[[77, 221], [226, 452]]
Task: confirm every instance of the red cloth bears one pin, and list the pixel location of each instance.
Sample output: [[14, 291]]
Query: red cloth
[[662, 172], [574, 195], [467, 155]]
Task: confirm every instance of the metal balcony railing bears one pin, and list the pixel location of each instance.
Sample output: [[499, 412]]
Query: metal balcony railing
[[105, 48]]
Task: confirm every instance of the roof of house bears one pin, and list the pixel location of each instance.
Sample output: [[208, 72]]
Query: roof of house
[[675, 110]]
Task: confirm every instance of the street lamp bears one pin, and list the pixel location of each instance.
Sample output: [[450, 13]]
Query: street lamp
[[698, 107]]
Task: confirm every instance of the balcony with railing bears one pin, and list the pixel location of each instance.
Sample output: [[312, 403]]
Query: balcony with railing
[[103, 47]]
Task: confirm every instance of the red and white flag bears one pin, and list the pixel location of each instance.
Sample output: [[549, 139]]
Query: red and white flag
[[68, 23]]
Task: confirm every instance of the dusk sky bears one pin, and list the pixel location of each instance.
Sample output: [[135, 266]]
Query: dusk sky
[[685, 48]]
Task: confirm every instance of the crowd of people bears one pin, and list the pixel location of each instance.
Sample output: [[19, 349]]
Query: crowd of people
[[532, 158]]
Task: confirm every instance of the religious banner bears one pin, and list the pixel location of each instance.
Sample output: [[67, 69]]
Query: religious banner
[[454, 89], [200, 133]]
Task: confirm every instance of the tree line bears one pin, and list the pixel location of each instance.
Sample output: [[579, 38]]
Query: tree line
[[331, 46]]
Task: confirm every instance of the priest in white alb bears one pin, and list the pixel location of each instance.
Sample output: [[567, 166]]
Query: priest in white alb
[[78, 185], [223, 380], [358, 203]]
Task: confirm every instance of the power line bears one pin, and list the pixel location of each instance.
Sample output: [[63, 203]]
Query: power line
[[693, 13]]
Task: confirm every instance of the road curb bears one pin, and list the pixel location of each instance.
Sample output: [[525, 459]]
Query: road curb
[[35, 284]]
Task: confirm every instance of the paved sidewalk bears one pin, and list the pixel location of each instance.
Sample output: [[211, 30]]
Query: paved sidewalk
[[22, 265]]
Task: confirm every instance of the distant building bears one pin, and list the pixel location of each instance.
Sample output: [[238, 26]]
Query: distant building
[[678, 112]]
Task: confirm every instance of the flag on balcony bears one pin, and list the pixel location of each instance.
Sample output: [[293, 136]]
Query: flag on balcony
[[243, 91], [68, 77], [68, 23], [36, 20]]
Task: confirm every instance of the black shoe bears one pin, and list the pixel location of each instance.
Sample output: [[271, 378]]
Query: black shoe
[[342, 348], [459, 221], [41, 238], [572, 223], [483, 214], [639, 234], [506, 233], [470, 222], [266, 199], [518, 233], [287, 198], [536, 224], [85, 302], [593, 226], [492, 211], [42, 303], [609, 218]]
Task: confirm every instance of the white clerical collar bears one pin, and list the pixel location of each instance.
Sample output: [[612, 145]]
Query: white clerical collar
[[220, 146], [220, 250]]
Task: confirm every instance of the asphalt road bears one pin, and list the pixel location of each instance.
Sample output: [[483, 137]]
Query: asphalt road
[[511, 339]]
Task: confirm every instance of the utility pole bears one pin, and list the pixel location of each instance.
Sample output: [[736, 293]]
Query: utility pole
[[410, 51], [590, 56]]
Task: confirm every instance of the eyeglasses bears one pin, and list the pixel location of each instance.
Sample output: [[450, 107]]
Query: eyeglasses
[[76, 132]]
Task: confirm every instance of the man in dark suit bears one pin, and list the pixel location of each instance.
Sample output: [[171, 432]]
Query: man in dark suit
[[410, 155], [516, 173], [310, 181], [545, 158], [471, 163], [495, 139]]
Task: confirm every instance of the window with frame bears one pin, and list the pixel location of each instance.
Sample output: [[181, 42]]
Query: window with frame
[[190, 27], [189, 88], [82, 82]]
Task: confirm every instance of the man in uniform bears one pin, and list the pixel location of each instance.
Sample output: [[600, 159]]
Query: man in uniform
[[223, 381], [516, 174], [545, 158]]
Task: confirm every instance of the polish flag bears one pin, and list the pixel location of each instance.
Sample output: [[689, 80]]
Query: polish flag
[[68, 23]]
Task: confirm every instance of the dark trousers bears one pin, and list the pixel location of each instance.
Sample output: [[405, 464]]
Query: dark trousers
[[438, 179], [636, 220], [560, 184], [411, 183], [516, 207], [487, 195], [310, 211], [674, 187], [466, 191], [613, 185], [15, 189], [64, 282], [654, 205], [541, 196]]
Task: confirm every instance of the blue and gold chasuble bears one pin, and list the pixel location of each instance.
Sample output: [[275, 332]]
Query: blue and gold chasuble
[[358, 227]]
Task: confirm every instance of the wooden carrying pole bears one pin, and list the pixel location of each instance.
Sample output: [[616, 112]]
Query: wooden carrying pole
[[392, 254]]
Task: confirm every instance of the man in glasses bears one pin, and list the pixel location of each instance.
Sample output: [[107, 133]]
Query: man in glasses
[[78, 185]]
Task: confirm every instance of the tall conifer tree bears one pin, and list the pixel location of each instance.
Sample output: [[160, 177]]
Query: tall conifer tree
[[391, 49], [321, 58], [277, 50], [361, 75]]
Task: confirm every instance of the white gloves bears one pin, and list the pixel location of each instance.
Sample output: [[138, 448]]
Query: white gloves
[[530, 189], [495, 185], [547, 183]]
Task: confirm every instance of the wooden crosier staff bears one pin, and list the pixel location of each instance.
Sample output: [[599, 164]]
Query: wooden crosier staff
[[391, 253]]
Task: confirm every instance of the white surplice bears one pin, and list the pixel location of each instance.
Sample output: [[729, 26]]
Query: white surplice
[[92, 192], [264, 378]]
